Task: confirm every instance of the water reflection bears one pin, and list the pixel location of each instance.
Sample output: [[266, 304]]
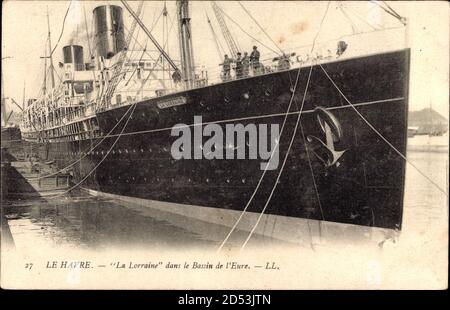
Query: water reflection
[[97, 223]]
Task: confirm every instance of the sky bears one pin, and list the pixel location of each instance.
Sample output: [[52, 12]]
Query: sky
[[288, 24]]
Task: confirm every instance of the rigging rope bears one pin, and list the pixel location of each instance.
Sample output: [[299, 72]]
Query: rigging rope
[[390, 11], [159, 57], [140, 45], [135, 69], [62, 29], [57, 74], [220, 49], [381, 136], [157, 20], [320, 26], [234, 22], [260, 27], [341, 8], [378, 26]]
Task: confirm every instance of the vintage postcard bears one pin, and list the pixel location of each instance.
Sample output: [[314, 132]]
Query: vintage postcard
[[224, 145]]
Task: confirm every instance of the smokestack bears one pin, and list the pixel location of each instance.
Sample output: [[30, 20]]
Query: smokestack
[[109, 30], [73, 54]]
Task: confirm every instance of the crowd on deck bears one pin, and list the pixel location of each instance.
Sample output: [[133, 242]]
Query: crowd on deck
[[244, 63]]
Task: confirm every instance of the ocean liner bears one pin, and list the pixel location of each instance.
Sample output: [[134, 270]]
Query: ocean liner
[[343, 120]]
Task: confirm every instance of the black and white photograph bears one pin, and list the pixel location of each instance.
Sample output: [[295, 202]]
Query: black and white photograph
[[224, 145]]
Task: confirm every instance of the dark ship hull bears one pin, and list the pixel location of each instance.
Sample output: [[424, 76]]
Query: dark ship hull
[[365, 187]]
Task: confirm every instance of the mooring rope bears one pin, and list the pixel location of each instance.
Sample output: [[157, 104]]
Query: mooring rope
[[381, 136], [283, 164], [312, 173], [265, 169], [292, 138], [100, 162]]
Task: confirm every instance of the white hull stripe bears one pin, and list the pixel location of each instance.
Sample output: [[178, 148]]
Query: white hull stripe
[[254, 117]]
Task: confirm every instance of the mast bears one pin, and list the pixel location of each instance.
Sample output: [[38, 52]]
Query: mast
[[23, 96], [50, 51], [186, 50], [44, 90], [165, 39]]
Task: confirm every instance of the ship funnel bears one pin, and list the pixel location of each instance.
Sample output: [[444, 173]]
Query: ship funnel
[[109, 30], [73, 54]]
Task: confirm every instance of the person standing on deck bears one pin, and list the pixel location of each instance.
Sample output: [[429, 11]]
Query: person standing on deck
[[226, 68], [284, 62], [245, 65], [254, 59], [239, 69]]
